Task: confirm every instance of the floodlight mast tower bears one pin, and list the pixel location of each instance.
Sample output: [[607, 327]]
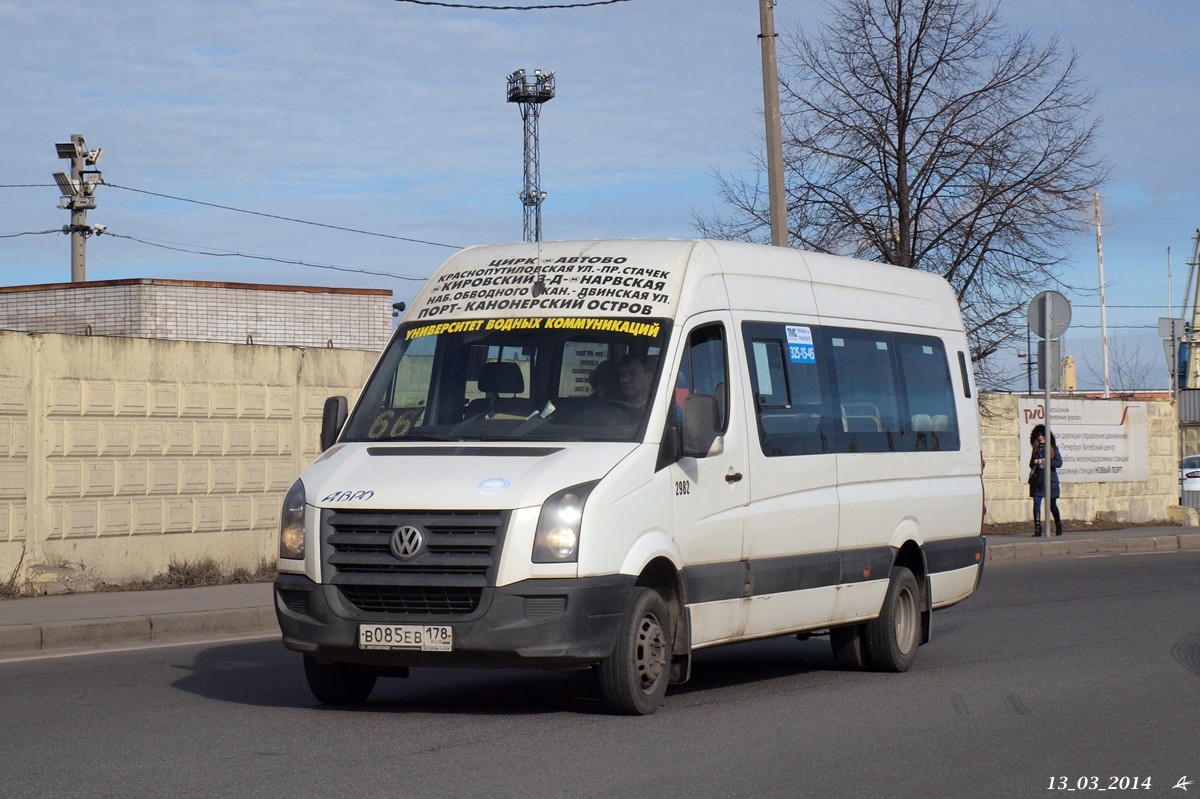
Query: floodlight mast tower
[[531, 91], [79, 196]]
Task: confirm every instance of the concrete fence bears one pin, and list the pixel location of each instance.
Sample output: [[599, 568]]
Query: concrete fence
[[119, 456]]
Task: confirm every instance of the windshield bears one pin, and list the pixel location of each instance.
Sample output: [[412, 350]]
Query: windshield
[[525, 379]]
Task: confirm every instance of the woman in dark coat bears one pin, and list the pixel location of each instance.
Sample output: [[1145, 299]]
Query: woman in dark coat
[[1037, 479]]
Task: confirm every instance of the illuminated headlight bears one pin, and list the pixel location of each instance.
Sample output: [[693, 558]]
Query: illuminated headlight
[[557, 537], [291, 523]]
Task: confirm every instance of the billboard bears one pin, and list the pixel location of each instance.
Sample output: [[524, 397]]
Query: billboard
[[1102, 441]]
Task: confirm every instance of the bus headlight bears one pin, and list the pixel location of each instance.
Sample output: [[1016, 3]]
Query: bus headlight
[[291, 523], [557, 536]]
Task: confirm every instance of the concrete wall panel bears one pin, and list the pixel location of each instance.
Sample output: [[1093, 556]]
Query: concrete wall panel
[[119, 455]]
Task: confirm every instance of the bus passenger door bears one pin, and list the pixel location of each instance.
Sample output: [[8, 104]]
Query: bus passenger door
[[791, 536]]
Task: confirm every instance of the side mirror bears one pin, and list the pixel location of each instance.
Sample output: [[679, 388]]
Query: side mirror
[[333, 417], [701, 425]]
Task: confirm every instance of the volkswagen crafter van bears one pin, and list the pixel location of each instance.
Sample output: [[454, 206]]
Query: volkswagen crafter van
[[611, 454]]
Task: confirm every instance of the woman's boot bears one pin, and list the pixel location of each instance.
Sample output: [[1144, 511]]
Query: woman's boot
[[1037, 528]]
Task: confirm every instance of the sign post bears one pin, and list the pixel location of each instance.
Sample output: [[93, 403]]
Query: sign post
[[1049, 316]]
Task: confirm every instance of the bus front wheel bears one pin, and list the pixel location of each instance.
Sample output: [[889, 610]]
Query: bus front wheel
[[633, 679]]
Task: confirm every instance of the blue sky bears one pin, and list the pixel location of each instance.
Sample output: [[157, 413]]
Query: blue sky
[[391, 117]]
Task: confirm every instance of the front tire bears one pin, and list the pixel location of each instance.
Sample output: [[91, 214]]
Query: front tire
[[633, 680], [342, 684], [893, 638]]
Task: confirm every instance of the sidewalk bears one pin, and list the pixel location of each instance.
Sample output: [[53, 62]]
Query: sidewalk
[[1090, 542], [91, 621], [32, 626]]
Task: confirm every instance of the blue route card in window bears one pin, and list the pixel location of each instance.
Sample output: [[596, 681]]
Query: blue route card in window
[[800, 344]]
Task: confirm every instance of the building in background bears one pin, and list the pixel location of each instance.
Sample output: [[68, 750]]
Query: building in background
[[188, 310]]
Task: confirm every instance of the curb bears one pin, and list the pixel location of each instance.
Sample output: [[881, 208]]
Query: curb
[[34, 638], [1055, 547]]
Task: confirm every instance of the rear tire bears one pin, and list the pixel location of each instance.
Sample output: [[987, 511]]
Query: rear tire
[[849, 648], [633, 680], [341, 684], [893, 638]]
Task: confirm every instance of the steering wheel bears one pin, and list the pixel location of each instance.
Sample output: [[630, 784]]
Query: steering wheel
[[603, 413]]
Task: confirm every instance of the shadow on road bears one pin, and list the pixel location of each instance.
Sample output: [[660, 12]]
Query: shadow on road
[[755, 661], [263, 673]]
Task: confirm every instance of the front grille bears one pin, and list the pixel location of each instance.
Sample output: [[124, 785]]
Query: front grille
[[446, 579], [443, 601]]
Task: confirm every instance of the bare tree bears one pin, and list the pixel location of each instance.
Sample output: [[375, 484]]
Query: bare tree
[[1129, 368], [923, 133]]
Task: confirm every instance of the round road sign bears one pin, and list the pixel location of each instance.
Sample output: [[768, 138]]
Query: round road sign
[[1060, 314]]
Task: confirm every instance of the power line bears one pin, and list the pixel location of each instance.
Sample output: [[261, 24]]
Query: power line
[[1118, 327], [283, 218], [199, 250], [1159, 306], [196, 250], [245, 211], [28, 233], [556, 6]]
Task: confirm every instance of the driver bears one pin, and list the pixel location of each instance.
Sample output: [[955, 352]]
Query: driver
[[635, 377]]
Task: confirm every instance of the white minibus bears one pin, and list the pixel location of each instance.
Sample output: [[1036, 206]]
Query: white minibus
[[611, 454]]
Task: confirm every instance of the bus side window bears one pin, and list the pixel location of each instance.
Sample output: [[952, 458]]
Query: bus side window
[[786, 377], [929, 392]]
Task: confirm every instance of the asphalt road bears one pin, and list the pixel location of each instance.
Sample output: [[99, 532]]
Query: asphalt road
[[1057, 671]]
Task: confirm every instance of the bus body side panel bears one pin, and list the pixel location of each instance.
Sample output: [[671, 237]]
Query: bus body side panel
[[953, 586], [853, 503], [955, 566], [627, 506], [919, 496]]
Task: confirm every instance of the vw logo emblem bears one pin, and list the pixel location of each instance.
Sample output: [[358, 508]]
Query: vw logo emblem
[[407, 542]]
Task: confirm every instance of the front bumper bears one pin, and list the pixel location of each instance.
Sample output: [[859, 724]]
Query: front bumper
[[548, 623]]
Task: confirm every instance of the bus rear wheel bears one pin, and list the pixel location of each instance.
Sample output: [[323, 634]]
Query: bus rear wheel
[[892, 639]]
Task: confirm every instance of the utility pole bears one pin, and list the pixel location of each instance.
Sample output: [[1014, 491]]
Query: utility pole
[[1103, 317], [1191, 373], [79, 196], [771, 118], [530, 92]]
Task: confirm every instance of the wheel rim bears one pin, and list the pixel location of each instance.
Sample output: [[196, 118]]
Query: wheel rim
[[906, 620], [650, 653]]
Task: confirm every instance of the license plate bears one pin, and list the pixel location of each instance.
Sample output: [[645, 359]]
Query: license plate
[[418, 637]]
